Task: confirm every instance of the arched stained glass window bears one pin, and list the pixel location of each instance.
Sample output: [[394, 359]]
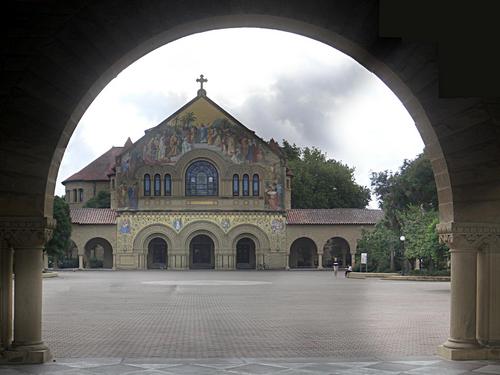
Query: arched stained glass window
[[168, 185], [157, 185], [147, 185], [236, 185], [246, 185], [255, 185], [202, 179]]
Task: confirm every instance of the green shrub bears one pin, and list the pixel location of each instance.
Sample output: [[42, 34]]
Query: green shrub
[[429, 273], [68, 263]]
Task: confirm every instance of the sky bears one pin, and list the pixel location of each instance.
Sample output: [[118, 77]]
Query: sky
[[281, 85]]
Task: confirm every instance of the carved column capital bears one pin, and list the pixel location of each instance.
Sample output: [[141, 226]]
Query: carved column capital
[[25, 232], [469, 236]]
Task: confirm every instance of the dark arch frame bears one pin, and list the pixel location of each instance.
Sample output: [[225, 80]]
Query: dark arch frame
[[167, 185], [201, 252], [90, 246], [337, 247], [392, 59], [303, 253], [246, 257], [157, 255], [147, 185], [157, 185], [236, 185], [202, 179]]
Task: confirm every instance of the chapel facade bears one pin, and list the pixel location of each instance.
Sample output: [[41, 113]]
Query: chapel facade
[[202, 191]]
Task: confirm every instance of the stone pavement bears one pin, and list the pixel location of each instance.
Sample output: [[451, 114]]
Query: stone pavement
[[291, 366], [208, 322], [241, 314]]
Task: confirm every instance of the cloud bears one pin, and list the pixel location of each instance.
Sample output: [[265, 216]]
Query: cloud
[[154, 106], [305, 107]]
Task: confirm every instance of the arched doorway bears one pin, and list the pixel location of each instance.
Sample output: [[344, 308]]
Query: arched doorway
[[157, 254], [98, 253], [201, 252], [378, 54], [337, 248], [303, 253], [245, 254]]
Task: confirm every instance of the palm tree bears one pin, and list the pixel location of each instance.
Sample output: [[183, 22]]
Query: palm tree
[[188, 118]]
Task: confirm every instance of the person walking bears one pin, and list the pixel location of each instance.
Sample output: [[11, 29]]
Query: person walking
[[335, 267]]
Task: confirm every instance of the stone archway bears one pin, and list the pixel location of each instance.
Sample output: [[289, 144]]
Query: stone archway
[[461, 142], [157, 257], [258, 237], [303, 253], [245, 254], [201, 252], [337, 248], [144, 238], [98, 253]]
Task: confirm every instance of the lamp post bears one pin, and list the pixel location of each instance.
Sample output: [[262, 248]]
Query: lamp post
[[402, 239]]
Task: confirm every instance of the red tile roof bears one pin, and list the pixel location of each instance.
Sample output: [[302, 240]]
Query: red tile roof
[[93, 216], [334, 216], [99, 169]]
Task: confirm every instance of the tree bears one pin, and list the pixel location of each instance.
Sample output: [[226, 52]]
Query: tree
[[413, 185], [101, 200], [60, 240], [409, 200], [320, 182], [379, 244], [419, 228]]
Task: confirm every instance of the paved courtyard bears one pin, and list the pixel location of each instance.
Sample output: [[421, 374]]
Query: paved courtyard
[[244, 314]]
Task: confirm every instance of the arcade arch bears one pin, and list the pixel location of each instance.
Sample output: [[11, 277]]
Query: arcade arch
[[336, 248], [303, 253], [245, 253], [157, 257], [98, 253], [201, 252]]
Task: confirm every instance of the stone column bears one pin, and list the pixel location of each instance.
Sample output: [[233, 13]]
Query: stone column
[[28, 236], [5, 295], [320, 261], [488, 297], [464, 240], [80, 262], [45, 261], [287, 261]]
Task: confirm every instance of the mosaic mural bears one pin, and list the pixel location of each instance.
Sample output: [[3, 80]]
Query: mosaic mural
[[200, 126]]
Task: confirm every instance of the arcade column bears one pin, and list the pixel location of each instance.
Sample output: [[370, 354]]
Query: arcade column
[[27, 236], [6, 272], [468, 243], [320, 261]]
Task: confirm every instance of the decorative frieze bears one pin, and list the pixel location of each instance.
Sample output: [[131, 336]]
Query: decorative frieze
[[469, 235], [26, 232], [129, 225]]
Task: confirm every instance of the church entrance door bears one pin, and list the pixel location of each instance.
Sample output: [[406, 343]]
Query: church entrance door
[[157, 253], [245, 254], [201, 253]]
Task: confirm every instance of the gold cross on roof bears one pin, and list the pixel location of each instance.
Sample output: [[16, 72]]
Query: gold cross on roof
[[202, 80]]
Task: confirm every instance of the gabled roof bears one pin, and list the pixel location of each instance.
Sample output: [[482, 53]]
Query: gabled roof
[[334, 216], [272, 145], [99, 169], [92, 216]]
